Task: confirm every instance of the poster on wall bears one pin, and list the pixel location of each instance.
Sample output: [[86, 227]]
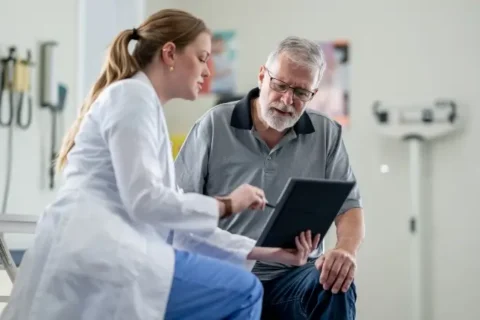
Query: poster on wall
[[332, 98], [222, 64]]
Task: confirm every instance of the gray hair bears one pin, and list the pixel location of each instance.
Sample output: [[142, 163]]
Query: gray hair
[[301, 51]]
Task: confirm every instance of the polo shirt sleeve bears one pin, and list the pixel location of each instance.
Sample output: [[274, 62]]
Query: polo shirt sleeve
[[338, 167], [191, 162]]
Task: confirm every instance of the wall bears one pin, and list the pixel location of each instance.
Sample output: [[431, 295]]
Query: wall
[[400, 55], [101, 21], [25, 29]]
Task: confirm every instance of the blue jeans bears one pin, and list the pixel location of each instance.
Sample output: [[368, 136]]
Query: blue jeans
[[207, 288], [299, 295]]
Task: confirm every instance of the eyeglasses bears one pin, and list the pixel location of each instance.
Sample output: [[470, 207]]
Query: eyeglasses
[[280, 86]]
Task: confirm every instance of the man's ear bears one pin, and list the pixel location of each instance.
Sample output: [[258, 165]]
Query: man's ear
[[261, 76], [168, 54]]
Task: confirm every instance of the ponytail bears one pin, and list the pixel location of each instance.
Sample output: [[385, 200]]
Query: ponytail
[[118, 65]]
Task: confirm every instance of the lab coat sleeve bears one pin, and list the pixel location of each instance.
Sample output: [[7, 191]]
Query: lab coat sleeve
[[191, 170], [131, 128]]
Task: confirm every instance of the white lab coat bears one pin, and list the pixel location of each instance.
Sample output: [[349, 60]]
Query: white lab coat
[[100, 249]]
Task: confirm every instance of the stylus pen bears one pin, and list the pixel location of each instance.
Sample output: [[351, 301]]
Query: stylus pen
[[270, 205]]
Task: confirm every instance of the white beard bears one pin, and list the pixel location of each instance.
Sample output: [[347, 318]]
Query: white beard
[[278, 121]]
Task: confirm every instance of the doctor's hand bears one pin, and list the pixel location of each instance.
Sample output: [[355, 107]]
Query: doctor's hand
[[305, 245], [244, 197]]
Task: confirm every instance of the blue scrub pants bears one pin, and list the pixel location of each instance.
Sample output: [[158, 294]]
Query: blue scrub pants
[[207, 288]]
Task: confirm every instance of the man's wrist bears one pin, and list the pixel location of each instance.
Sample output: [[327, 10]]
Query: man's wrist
[[349, 245]]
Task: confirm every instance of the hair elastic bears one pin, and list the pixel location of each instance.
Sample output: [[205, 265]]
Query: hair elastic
[[135, 35]]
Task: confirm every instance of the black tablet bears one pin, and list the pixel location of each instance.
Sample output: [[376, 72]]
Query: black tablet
[[304, 204]]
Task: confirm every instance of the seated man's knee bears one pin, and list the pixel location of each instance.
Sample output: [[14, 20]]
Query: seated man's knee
[[351, 291], [350, 294]]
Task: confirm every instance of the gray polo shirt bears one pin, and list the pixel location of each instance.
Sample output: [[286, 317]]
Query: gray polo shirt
[[223, 151]]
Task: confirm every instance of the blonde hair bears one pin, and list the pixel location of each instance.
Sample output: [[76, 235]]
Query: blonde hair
[[169, 25]]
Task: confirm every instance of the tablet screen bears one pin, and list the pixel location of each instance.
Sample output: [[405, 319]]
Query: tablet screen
[[305, 204]]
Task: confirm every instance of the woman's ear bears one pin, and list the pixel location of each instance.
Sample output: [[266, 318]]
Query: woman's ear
[[168, 54]]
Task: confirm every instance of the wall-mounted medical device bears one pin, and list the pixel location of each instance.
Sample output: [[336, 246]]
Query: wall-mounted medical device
[[425, 121], [15, 90], [56, 112], [48, 75], [52, 96], [7, 74]]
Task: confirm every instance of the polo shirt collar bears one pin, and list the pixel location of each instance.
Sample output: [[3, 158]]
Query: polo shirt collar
[[242, 115]]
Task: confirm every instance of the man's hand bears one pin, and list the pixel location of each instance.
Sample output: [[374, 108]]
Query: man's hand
[[337, 270]]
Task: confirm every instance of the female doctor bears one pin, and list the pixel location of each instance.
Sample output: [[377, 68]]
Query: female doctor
[[102, 249]]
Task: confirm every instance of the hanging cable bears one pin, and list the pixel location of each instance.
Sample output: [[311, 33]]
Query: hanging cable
[[7, 86], [5, 255]]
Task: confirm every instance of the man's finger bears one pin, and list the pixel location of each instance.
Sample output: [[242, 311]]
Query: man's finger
[[327, 266], [333, 274], [349, 279], [342, 276], [319, 262]]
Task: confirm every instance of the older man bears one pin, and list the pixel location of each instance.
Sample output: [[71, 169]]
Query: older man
[[264, 139]]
